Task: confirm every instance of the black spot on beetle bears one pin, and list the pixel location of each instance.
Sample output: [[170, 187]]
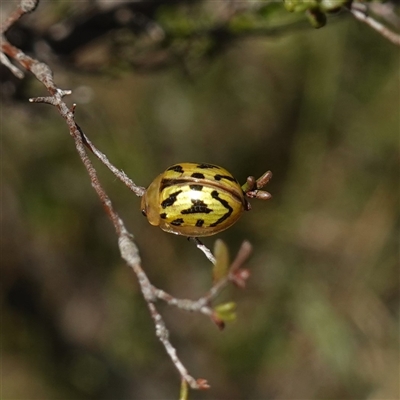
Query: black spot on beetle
[[207, 166], [176, 168], [196, 187], [144, 213], [197, 175], [200, 222], [177, 222], [227, 177], [170, 200], [198, 207], [163, 215], [215, 195]]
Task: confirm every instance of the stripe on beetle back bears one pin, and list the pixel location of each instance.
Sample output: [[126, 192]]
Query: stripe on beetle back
[[207, 166], [176, 168], [199, 223], [198, 207], [227, 177], [196, 187], [177, 222], [215, 195], [197, 175], [171, 199]]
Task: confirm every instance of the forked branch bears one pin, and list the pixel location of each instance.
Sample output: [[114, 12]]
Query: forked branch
[[128, 249]]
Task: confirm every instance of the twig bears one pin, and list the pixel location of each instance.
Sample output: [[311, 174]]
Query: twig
[[130, 254], [387, 12], [359, 11], [138, 190], [5, 61], [236, 274], [163, 335], [202, 247], [128, 249], [24, 7]]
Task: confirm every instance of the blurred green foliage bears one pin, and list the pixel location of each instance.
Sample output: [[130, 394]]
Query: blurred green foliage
[[319, 318]]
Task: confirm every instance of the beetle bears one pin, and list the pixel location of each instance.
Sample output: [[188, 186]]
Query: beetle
[[199, 199]]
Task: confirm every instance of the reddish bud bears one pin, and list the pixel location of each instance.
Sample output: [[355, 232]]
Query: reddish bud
[[218, 321], [240, 277], [202, 384]]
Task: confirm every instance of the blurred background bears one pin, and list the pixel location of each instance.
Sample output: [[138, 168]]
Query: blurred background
[[320, 108]]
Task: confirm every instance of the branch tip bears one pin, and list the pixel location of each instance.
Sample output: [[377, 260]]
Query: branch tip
[[6, 62], [217, 321], [28, 6], [360, 12], [202, 384]]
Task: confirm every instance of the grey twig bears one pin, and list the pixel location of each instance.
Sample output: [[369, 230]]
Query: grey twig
[[236, 274], [5, 61], [128, 249], [138, 190], [202, 247], [360, 12]]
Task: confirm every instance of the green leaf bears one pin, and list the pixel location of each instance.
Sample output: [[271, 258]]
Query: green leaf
[[221, 266], [226, 311], [332, 5], [299, 5], [184, 394]]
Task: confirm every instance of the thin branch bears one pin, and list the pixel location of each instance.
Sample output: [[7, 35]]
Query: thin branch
[[236, 274], [5, 61], [138, 190], [387, 12], [163, 335], [359, 11], [128, 249], [130, 254], [25, 6], [207, 252]]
